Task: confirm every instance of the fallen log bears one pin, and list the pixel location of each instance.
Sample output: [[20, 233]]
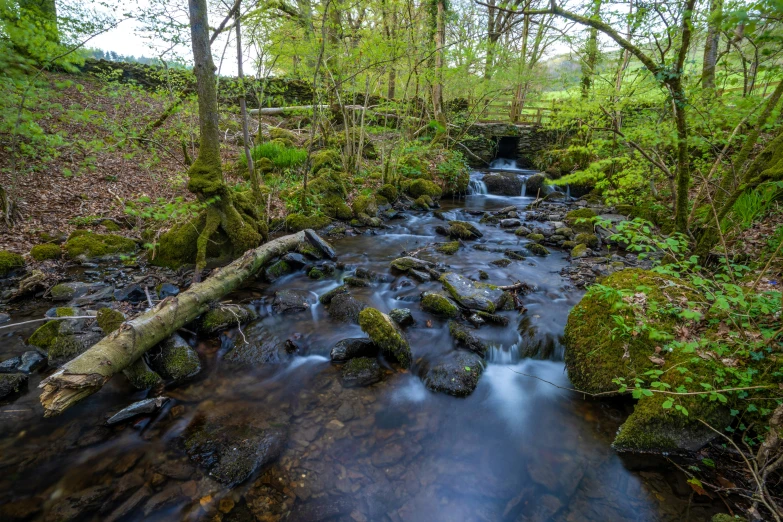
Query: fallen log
[[87, 373]]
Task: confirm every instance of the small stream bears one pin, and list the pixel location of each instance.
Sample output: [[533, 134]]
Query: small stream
[[517, 449]]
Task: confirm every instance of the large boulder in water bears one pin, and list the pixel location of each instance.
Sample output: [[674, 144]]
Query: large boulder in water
[[457, 373], [287, 301], [232, 444], [385, 333], [536, 186], [362, 371], [476, 296], [595, 356], [258, 347], [503, 183], [345, 307]]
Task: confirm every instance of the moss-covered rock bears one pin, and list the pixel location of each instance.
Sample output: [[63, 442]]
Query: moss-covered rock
[[537, 250], [12, 383], [403, 264], [334, 206], [423, 187], [536, 237], [365, 205], [277, 270], [276, 133], [456, 373], [9, 261], [90, 244], [473, 295], [175, 360], [109, 320], [385, 333], [46, 251], [68, 291], [581, 219], [389, 192], [225, 316], [465, 338], [422, 203], [579, 251], [141, 376], [463, 230], [439, 305], [360, 371], [449, 248], [331, 294], [297, 222], [327, 158], [584, 238]]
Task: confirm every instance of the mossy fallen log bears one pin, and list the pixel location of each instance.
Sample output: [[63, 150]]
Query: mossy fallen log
[[87, 373]]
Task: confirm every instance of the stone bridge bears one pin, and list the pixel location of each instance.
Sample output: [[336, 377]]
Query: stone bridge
[[523, 142]]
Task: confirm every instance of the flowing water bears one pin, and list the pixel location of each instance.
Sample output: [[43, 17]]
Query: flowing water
[[519, 448]]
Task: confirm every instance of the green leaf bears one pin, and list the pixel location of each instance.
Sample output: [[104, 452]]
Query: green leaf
[[668, 403]]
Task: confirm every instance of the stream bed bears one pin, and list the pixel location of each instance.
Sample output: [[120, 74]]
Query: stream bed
[[517, 449]]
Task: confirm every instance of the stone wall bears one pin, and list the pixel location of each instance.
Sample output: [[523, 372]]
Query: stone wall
[[481, 139]]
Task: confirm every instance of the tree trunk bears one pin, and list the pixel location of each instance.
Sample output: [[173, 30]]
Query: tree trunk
[[437, 85], [591, 53], [86, 374], [711, 45], [254, 182]]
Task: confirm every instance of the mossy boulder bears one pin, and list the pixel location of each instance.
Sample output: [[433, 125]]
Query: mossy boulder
[[439, 305], [457, 373], [46, 251], [385, 333], [347, 349], [297, 222], [276, 133], [536, 237], [365, 205], [581, 219], [389, 192], [537, 250], [403, 264], [465, 338], [327, 158], [225, 316], [536, 185], [68, 291], [463, 230], [109, 320], [423, 187], [449, 248], [9, 261], [475, 296], [175, 360], [503, 183], [90, 244], [334, 206], [12, 383], [579, 251], [422, 203], [584, 238]]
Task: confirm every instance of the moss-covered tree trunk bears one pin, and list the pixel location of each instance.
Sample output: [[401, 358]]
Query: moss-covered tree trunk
[[228, 213], [87, 373]]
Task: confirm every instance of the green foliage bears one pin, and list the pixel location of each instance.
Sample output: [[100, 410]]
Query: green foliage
[[752, 205], [281, 156]]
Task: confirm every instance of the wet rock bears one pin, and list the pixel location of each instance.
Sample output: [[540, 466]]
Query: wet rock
[[168, 496], [361, 371], [559, 472], [503, 183], [141, 376], [402, 316], [319, 243], [580, 251], [463, 230], [31, 361], [130, 504], [492, 318], [483, 275], [175, 360], [419, 275], [324, 508], [510, 223], [288, 301], [258, 348], [465, 339], [10, 365], [132, 294], [167, 290], [68, 291], [538, 250], [388, 455], [439, 304], [350, 348], [137, 408], [375, 277], [475, 296], [12, 383], [457, 373], [403, 264], [295, 260], [357, 282], [277, 270], [232, 444], [536, 184], [4, 318], [77, 506], [226, 316], [515, 255], [328, 296], [523, 231], [501, 262], [346, 308], [386, 335]]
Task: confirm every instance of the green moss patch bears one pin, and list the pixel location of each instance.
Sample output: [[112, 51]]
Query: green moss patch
[[439, 305], [423, 187], [9, 261], [297, 222], [109, 320], [449, 248], [45, 251], [386, 335], [90, 244]]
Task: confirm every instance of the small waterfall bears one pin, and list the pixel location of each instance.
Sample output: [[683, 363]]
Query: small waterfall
[[503, 164], [524, 186], [477, 187], [568, 191], [500, 355]]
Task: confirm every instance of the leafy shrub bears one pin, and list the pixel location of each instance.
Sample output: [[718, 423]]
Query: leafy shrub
[[281, 156]]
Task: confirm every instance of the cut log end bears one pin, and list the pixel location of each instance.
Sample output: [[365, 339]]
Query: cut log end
[[62, 390]]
